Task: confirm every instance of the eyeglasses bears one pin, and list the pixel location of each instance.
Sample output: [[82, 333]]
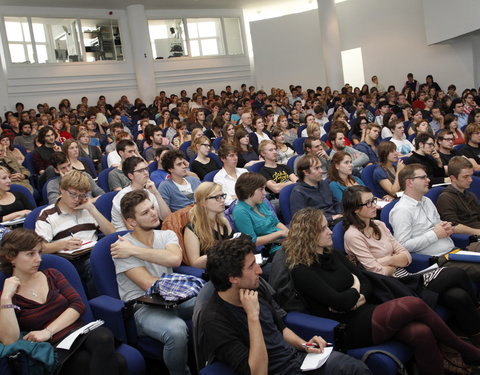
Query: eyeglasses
[[141, 170], [77, 196], [219, 197], [429, 144], [424, 177], [206, 145], [370, 203]]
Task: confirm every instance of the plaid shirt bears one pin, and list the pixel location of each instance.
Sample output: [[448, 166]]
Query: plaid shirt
[[176, 286]]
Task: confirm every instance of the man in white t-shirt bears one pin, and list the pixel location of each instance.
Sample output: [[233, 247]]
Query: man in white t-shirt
[[140, 259], [136, 170]]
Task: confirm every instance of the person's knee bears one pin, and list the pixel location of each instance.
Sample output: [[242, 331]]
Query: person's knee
[[177, 332], [457, 298], [101, 337]]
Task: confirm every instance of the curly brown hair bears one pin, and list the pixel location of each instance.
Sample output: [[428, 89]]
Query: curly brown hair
[[15, 241]]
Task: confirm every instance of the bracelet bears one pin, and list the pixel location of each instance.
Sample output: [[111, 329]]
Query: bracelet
[[10, 306], [51, 333]]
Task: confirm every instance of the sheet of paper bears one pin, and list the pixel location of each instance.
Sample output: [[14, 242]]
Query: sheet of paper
[[20, 220], [85, 245], [67, 342], [316, 360]]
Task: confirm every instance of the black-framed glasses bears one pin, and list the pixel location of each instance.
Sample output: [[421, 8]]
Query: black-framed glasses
[[206, 145], [141, 170], [424, 177], [370, 203], [219, 197]]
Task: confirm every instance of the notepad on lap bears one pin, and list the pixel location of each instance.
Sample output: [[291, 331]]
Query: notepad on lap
[[316, 360], [67, 342]]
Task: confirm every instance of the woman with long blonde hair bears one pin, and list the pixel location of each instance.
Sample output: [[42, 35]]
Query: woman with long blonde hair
[[207, 225], [343, 293]]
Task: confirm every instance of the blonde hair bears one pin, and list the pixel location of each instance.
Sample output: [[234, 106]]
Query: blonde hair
[[311, 128], [301, 245], [75, 180], [2, 168], [199, 216], [263, 144], [196, 141]]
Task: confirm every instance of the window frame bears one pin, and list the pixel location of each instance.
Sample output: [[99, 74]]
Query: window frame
[[79, 42], [222, 36]]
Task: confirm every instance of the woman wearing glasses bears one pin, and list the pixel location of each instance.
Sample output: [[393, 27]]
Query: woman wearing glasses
[[370, 242], [203, 164], [207, 225], [334, 288]]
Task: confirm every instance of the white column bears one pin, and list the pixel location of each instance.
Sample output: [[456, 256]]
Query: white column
[[330, 40], [476, 59], [142, 53]]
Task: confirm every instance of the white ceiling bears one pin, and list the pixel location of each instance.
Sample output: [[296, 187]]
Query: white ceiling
[[149, 4]]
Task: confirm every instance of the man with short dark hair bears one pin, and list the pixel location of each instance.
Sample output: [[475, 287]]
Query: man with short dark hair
[[178, 190], [369, 145], [228, 175], [445, 140], [136, 169], [417, 225], [241, 325], [337, 140], [141, 258], [456, 204], [312, 191], [437, 119], [155, 141], [457, 107], [426, 155], [116, 178], [26, 138]]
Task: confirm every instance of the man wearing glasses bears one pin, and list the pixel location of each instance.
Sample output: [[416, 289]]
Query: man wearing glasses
[[136, 169], [416, 222], [426, 155], [445, 141], [72, 221]]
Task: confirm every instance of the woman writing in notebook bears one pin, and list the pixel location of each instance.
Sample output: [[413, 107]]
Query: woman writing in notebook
[[45, 306]]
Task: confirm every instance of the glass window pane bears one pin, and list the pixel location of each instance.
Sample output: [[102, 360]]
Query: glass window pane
[[192, 29], [39, 33], [233, 33], [42, 54], [209, 47], [101, 38], [207, 29], [17, 53], [167, 38], [30, 53], [15, 27], [194, 48]]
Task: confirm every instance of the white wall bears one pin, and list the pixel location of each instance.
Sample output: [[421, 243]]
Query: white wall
[[391, 34], [287, 51], [446, 19]]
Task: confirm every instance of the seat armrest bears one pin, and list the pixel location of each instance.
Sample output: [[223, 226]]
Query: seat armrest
[[419, 262], [306, 326], [189, 270], [461, 240], [111, 311]]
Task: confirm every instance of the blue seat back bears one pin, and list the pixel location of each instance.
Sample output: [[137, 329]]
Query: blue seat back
[[103, 179], [285, 209], [184, 146], [434, 193], [31, 218], [216, 143], [300, 130], [210, 175], [291, 162], [105, 161], [28, 163], [152, 166], [26, 193], [475, 186], [256, 167], [298, 145], [367, 178], [338, 234], [102, 267], [384, 214], [104, 204]]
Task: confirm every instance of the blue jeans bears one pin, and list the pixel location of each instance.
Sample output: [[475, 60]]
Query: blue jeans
[[168, 327]]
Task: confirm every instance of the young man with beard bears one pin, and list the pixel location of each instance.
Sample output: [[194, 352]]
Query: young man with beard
[[26, 138]]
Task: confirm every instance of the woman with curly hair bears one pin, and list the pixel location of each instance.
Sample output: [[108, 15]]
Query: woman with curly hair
[[343, 293]]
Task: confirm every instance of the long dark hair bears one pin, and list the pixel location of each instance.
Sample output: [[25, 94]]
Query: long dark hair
[[352, 201]]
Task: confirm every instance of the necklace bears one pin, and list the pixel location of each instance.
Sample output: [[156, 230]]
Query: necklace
[[34, 293]]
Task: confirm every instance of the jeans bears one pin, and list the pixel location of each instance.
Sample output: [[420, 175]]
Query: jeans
[[168, 327]]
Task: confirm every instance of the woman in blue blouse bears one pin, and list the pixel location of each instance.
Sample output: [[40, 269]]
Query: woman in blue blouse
[[253, 216], [340, 174], [385, 176]]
